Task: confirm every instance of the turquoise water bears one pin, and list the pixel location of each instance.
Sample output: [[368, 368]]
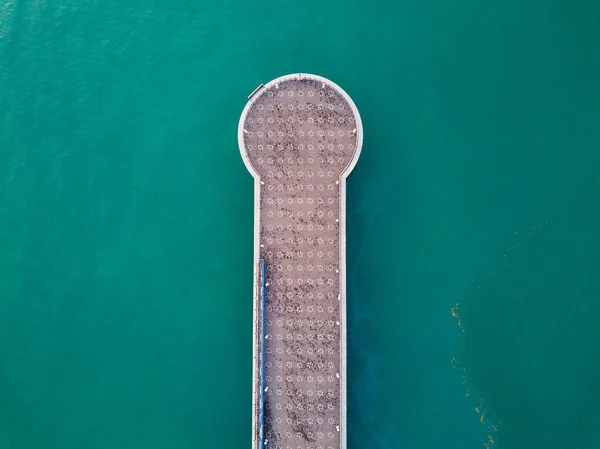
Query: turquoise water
[[126, 219]]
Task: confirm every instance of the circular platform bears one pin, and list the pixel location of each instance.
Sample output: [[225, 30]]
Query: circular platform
[[299, 118]]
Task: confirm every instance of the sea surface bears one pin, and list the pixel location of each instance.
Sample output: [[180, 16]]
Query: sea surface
[[126, 219]]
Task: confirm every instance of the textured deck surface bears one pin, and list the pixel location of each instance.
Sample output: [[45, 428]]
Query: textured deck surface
[[299, 136]]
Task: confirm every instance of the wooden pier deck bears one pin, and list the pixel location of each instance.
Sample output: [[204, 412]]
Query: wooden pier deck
[[300, 136]]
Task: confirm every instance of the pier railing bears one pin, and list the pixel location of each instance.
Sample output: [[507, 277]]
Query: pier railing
[[260, 412]]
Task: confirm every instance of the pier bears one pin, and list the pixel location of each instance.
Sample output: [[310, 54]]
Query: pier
[[300, 136]]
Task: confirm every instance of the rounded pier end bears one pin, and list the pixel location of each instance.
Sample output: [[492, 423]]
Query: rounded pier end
[[300, 121]]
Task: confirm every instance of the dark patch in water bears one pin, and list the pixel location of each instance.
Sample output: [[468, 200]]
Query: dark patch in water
[[532, 334]]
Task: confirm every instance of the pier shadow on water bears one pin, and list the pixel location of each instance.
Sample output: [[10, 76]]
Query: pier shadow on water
[[531, 343], [366, 429]]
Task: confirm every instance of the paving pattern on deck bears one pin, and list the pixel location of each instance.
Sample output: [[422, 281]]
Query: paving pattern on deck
[[299, 136]]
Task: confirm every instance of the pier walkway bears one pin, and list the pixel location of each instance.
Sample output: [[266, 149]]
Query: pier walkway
[[300, 136]]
